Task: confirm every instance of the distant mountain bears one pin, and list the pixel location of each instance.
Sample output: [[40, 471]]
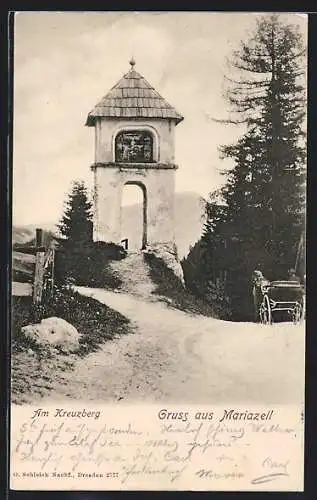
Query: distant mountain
[[189, 221], [25, 234], [21, 235]]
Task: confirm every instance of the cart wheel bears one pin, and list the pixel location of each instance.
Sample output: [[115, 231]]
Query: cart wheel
[[265, 311], [298, 312]]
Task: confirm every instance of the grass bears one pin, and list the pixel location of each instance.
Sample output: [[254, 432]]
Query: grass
[[34, 375], [95, 322], [35, 370], [89, 265], [168, 285]]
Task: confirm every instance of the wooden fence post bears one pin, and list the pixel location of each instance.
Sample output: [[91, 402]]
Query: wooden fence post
[[53, 271], [39, 268], [38, 238], [38, 277]]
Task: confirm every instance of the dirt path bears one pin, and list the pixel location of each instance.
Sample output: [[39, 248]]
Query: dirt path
[[176, 357]]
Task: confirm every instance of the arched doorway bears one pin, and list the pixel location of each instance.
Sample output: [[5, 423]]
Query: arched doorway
[[134, 215]]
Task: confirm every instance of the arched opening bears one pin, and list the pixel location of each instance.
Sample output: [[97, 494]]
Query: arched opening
[[134, 146], [134, 215]]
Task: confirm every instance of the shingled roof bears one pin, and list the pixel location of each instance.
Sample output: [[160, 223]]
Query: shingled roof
[[133, 97]]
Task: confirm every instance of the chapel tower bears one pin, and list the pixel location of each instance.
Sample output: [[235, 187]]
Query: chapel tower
[[134, 144]]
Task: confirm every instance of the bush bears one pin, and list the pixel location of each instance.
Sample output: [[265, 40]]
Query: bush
[[88, 265], [241, 301], [215, 295]]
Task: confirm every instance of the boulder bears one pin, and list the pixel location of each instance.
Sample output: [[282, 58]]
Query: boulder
[[169, 257], [53, 332]]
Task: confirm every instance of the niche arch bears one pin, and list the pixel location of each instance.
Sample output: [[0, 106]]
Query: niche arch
[[135, 144]]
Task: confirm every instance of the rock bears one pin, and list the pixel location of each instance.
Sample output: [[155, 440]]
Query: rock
[[170, 258], [53, 332]]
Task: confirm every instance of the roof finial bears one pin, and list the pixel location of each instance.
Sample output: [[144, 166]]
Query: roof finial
[[132, 63]]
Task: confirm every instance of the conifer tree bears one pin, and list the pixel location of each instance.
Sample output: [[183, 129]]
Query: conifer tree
[[262, 216], [76, 222], [265, 189], [76, 230]]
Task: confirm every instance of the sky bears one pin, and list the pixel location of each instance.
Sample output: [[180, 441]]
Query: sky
[[65, 62]]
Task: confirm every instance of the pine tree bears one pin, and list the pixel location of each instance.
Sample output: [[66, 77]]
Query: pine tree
[[264, 193], [76, 230], [76, 222]]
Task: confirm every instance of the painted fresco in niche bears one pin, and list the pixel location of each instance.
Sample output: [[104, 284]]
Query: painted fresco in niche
[[134, 147]]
